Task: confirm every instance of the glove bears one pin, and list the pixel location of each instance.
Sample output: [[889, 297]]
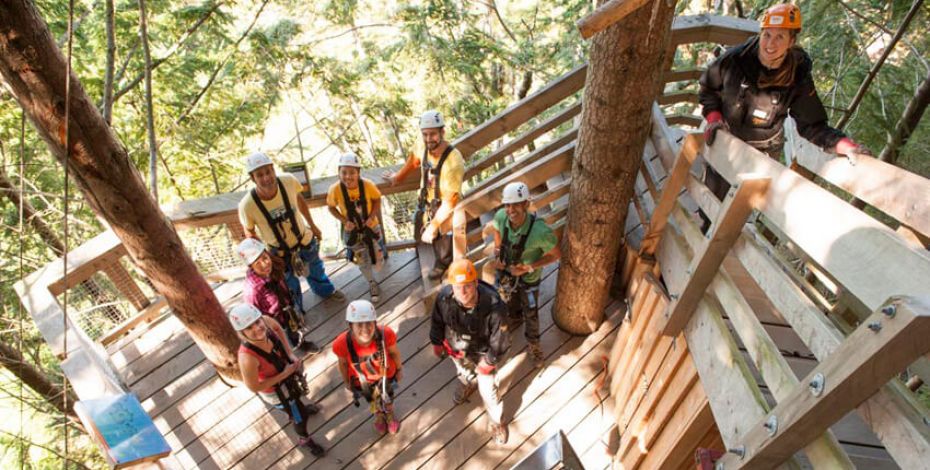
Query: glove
[[438, 351], [484, 368], [714, 123], [847, 146]]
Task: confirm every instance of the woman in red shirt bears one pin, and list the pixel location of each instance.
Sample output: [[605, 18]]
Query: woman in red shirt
[[270, 368], [369, 363]]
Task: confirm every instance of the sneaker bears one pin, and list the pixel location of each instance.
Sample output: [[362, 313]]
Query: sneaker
[[315, 449], [380, 424], [309, 347], [500, 433], [436, 273], [337, 295], [463, 391], [312, 408], [393, 424], [375, 292], [536, 353]]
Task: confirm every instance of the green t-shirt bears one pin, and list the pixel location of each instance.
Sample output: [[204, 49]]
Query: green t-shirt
[[540, 241]]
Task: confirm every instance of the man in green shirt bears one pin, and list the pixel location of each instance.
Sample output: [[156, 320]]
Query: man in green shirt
[[523, 245]]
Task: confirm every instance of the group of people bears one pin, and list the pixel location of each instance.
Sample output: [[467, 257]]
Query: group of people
[[749, 90], [470, 320]]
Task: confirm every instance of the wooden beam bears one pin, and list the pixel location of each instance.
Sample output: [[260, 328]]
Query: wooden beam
[[607, 14], [872, 355], [522, 140], [712, 28], [522, 111], [682, 75], [865, 257], [888, 188], [679, 172], [126, 285], [680, 97], [737, 207]]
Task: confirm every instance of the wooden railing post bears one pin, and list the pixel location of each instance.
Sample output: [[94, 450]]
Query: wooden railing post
[[126, 285]]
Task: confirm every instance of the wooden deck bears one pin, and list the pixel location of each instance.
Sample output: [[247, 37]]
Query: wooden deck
[[210, 425]]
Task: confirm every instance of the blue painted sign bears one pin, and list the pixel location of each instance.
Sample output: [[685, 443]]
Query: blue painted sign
[[122, 429]]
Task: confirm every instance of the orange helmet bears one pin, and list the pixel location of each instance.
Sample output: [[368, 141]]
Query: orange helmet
[[462, 271], [783, 15]]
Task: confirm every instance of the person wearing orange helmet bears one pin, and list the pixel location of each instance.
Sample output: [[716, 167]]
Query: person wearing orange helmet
[[466, 325], [751, 88]]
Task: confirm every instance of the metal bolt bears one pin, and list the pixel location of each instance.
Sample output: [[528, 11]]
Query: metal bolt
[[739, 451], [875, 326], [927, 421], [816, 384], [890, 310], [673, 296], [771, 425]]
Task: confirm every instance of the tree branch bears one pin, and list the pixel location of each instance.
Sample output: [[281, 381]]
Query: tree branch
[[910, 118]]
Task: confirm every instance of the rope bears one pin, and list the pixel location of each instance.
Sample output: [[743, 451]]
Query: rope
[[64, 258], [22, 273]]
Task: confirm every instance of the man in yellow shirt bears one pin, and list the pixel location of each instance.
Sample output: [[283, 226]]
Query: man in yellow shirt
[[276, 213], [442, 169], [356, 203]]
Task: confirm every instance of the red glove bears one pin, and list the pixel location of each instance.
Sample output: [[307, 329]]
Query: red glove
[[714, 123], [438, 351], [452, 352], [847, 146], [484, 368]]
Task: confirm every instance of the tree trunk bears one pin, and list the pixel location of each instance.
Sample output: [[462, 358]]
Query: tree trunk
[[620, 87], [908, 122], [109, 18], [34, 70], [38, 381], [149, 112]]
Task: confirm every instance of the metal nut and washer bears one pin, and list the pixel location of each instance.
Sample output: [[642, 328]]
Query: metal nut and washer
[[816, 384], [739, 451], [890, 310], [875, 326], [771, 425]]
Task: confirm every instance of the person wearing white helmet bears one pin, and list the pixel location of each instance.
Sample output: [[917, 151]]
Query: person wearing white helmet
[[266, 290], [523, 245], [270, 369], [356, 203], [276, 213], [442, 170], [370, 363]]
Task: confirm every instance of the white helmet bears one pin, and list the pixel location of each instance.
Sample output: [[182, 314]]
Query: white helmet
[[243, 315], [250, 249], [256, 161], [431, 120], [515, 192], [360, 311], [349, 159]]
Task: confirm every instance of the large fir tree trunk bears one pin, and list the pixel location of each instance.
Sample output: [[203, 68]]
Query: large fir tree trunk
[[35, 70], [624, 74]]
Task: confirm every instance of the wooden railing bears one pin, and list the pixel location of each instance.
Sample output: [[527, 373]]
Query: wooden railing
[[732, 301]]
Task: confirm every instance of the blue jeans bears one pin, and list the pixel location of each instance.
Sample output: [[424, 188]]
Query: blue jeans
[[317, 278]]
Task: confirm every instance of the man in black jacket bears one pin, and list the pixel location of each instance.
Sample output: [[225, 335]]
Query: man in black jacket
[[466, 326]]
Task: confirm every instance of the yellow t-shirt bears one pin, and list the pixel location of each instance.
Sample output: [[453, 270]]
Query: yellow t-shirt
[[451, 176], [251, 217], [334, 198]]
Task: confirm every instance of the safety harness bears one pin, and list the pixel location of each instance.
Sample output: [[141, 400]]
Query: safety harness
[[290, 254], [377, 398], [426, 169], [469, 328], [368, 236], [291, 388]]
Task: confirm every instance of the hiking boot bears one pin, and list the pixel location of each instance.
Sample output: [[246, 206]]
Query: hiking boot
[[375, 291], [308, 347], [337, 295], [535, 353], [499, 433], [315, 449], [463, 391], [380, 424], [436, 273]]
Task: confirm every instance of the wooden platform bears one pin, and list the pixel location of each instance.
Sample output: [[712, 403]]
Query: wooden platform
[[210, 425]]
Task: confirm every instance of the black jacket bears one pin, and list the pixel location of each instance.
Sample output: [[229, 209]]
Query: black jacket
[[757, 116], [480, 329]]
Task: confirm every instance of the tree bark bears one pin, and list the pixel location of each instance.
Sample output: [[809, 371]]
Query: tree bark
[[908, 122], [620, 88], [34, 70], [38, 381]]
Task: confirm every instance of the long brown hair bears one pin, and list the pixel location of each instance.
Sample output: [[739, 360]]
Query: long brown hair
[[784, 75]]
